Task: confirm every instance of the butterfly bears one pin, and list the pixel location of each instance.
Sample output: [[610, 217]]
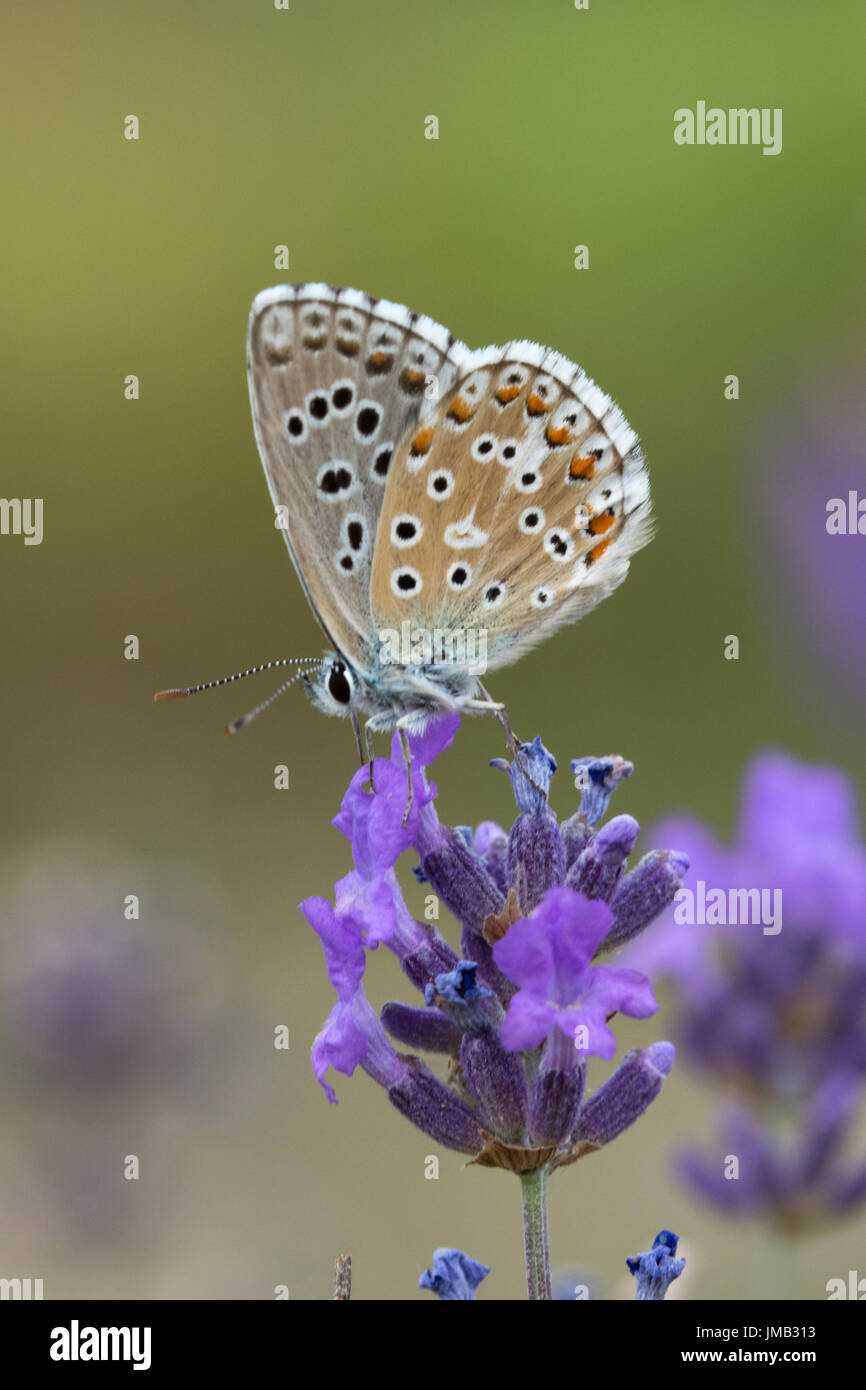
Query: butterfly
[[435, 500]]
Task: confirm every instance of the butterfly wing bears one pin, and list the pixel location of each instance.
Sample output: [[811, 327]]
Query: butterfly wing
[[336, 380], [513, 507]]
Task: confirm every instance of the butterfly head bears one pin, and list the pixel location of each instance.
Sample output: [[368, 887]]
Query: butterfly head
[[333, 687]]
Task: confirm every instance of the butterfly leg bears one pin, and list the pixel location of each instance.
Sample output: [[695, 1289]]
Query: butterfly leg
[[356, 730], [371, 752], [496, 708], [407, 755]]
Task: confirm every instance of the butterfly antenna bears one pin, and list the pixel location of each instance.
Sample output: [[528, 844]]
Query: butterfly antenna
[[226, 680], [237, 724]]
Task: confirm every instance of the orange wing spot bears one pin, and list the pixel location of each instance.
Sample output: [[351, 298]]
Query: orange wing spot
[[535, 405], [600, 524], [378, 358], [598, 550], [413, 377], [507, 393], [460, 411], [559, 435], [582, 467], [422, 440]]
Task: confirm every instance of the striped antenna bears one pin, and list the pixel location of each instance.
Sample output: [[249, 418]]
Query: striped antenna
[[226, 680], [238, 724]]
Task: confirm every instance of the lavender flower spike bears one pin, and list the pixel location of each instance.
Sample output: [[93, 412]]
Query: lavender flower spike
[[454, 1276], [519, 1009], [656, 1269]]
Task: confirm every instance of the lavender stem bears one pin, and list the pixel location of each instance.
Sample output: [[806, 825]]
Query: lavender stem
[[534, 1192]]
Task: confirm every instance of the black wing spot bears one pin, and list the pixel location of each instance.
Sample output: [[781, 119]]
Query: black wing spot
[[368, 419]]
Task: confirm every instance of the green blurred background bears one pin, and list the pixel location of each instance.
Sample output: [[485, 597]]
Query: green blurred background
[[306, 127]]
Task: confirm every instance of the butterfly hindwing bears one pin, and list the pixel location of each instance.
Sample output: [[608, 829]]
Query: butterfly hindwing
[[514, 505], [337, 379]]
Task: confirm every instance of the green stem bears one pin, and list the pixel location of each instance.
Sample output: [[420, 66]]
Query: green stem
[[534, 1190]]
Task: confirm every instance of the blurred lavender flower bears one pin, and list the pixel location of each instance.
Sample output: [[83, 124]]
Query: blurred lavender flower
[[816, 455], [454, 1276], [522, 1006], [656, 1269], [104, 1027], [778, 1014]]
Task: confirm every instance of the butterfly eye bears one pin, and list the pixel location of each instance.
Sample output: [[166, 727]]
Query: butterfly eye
[[339, 685]]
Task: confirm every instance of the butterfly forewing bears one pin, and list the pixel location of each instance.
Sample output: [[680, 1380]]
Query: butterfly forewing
[[337, 380], [513, 506]]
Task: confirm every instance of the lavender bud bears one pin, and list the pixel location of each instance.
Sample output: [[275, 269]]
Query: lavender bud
[[435, 1109], [497, 1082], [491, 844], [599, 868], [536, 860], [626, 1094], [426, 1030], [429, 957], [645, 893], [456, 874], [576, 834], [555, 1103], [557, 1091]]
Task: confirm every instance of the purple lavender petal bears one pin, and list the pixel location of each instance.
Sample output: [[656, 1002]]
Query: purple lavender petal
[[353, 1035], [549, 952]]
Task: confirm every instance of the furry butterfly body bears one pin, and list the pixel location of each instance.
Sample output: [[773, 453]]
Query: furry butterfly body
[[425, 487]]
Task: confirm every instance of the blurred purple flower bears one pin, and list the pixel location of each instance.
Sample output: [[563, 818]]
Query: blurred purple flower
[[820, 578], [774, 1007]]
